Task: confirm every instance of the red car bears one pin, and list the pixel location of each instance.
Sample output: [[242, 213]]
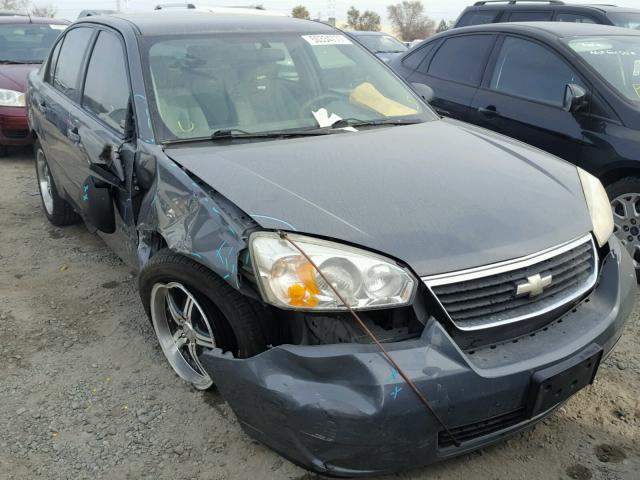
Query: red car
[[24, 44]]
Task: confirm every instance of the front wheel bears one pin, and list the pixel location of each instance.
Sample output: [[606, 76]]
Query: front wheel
[[625, 204], [193, 310]]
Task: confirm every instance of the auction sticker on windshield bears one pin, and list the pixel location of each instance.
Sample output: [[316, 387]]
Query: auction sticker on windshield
[[327, 40]]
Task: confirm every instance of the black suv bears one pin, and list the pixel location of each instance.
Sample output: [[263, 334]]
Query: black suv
[[495, 11], [568, 88]]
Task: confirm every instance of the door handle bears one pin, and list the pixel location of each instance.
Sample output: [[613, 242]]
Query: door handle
[[73, 135], [489, 111], [42, 106], [443, 112]]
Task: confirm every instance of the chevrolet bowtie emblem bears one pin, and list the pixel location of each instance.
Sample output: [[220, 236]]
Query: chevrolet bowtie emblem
[[534, 286]]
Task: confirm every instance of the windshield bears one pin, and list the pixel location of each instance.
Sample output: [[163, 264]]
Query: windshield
[[626, 20], [27, 43], [381, 43], [269, 82], [617, 59]]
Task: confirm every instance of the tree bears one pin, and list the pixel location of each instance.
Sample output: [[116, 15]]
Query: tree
[[409, 21], [442, 27], [368, 21], [300, 12], [15, 5], [47, 10]]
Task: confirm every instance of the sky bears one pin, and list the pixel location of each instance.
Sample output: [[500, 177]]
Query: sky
[[436, 9]]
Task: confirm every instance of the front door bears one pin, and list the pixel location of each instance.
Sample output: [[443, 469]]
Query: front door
[[523, 98]]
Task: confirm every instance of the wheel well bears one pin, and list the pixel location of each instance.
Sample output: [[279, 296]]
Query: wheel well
[[614, 175]]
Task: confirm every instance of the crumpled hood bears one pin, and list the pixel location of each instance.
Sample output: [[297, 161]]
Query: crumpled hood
[[14, 77], [440, 196]]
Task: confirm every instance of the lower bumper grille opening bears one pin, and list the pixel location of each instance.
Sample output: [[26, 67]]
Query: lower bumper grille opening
[[478, 429]]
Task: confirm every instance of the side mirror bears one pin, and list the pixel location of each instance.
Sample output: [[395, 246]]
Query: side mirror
[[424, 91], [575, 97], [97, 204]]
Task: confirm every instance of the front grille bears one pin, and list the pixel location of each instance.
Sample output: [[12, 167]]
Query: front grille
[[478, 429], [489, 296]]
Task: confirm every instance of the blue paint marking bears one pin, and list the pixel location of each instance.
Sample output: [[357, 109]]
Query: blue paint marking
[[215, 210], [276, 220], [226, 276], [231, 229], [393, 375], [396, 390], [196, 254], [85, 197], [85, 188]]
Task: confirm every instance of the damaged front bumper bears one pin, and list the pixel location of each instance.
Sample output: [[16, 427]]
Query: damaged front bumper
[[342, 410]]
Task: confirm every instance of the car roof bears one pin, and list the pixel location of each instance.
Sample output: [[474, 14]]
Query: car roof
[[498, 5], [25, 19], [549, 29], [196, 22]]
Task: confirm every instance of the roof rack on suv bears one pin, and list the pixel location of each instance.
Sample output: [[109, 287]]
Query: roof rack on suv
[[513, 2]]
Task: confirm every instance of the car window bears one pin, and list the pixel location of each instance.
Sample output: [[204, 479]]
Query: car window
[[381, 43], [529, 70], [625, 19], [542, 16], [106, 88], [615, 58], [66, 76], [53, 62], [414, 59], [574, 18], [265, 81], [481, 17], [27, 43], [462, 59]]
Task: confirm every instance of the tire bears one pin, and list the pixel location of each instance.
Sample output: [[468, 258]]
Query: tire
[[236, 322], [627, 190], [57, 209]]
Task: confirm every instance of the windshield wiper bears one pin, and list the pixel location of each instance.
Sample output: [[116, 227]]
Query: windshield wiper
[[356, 122], [234, 133]]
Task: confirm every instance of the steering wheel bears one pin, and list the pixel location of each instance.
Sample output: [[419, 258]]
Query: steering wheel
[[307, 107]]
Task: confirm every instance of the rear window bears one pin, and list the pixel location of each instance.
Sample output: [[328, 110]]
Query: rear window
[[481, 17], [543, 16], [27, 43], [462, 59]]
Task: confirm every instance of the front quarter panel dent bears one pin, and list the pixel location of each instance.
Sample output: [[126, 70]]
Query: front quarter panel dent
[[190, 221]]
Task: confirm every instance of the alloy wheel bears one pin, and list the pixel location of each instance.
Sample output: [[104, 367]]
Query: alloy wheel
[[626, 217], [44, 181], [183, 331]]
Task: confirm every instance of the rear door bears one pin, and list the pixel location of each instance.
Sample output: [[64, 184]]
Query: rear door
[[60, 95], [522, 97], [454, 72]]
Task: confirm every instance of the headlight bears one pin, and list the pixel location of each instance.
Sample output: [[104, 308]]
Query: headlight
[[288, 280], [599, 206], [9, 98]]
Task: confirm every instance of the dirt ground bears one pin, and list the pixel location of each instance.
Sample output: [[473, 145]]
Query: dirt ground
[[85, 391]]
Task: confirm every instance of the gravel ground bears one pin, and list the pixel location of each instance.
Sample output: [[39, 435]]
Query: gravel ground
[[86, 393]]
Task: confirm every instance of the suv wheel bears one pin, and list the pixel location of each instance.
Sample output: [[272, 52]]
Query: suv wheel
[[625, 203], [56, 208], [193, 310]]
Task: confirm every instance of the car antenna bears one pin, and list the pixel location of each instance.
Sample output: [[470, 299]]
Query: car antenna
[[371, 335]]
